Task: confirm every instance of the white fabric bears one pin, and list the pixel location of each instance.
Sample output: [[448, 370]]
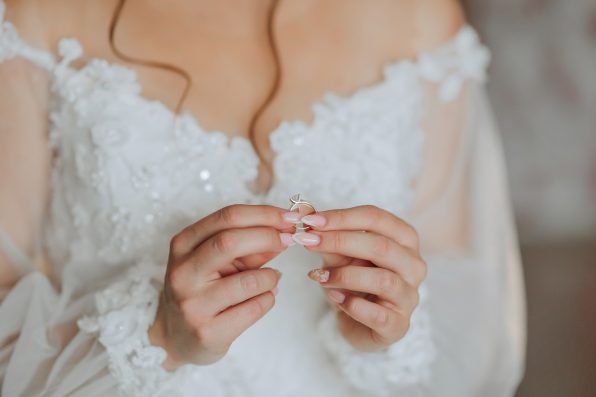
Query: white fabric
[[129, 174]]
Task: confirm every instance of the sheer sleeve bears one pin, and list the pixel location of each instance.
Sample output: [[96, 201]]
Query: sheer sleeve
[[24, 158], [63, 340], [467, 336]]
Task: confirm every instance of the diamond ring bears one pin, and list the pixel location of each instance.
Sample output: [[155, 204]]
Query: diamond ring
[[302, 207]]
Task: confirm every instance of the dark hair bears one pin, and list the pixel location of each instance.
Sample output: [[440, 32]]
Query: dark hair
[[188, 79]]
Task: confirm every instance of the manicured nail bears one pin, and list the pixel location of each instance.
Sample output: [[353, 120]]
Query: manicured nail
[[304, 238], [336, 296], [275, 291], [320, 275], [286, 239], [314, 220], [291, 217]]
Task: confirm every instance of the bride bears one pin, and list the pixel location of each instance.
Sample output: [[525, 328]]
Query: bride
[[148, 154]]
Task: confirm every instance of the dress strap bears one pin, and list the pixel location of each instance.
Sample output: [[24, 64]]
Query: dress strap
[[12, 46]]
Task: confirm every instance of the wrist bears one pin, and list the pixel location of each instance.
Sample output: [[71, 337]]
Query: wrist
[[358, 337], [158, 337]]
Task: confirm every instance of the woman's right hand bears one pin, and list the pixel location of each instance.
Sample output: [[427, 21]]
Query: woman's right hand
[[214, 286]]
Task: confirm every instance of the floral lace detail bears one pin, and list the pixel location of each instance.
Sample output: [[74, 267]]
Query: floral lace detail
[[405, 363], [464, 58], [142, 194], [346, 133], [125, 311]]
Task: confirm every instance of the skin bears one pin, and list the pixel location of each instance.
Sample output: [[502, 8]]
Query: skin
[[216, 285]]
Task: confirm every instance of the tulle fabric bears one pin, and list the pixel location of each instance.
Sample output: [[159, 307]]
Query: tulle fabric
[[478, 280]]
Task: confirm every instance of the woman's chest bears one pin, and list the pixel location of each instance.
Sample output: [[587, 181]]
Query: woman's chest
[[246, 67]]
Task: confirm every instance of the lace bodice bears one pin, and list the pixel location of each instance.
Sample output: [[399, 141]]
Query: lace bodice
[[128, 174], [127, 166]]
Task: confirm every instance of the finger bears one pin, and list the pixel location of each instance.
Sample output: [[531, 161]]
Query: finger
[[253, 261], [334, 260], [228, 245], [337, 260], [365, 218], [233, 216], [388, 324], [376, 248], [237, 288], [231, 323], [383, 283], [217, 253]]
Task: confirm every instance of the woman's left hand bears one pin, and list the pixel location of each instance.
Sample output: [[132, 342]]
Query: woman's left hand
[[372, 270]]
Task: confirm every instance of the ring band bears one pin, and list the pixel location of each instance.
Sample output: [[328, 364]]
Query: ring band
[[296, 203]]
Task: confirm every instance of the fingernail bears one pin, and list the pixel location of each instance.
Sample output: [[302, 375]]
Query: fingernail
[[320, 275], [304, 238], [286, 239], [275, 291], [336, 296], [279, 274], [291, 217], [314, 220]]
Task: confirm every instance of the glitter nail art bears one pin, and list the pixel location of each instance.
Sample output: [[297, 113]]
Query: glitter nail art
[[319, 275]]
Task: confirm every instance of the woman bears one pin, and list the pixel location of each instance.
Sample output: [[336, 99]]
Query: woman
[[164, 237]]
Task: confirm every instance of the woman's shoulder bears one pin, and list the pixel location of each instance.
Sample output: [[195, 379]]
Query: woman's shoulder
[[436, 22], [446, 48], [27, 18], [417, 27]]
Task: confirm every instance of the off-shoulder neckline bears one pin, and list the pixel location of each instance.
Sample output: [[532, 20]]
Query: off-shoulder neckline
[[66, 54], [447, 44], [70, 49]]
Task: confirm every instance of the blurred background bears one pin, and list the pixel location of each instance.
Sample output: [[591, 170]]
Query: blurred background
[[543, 89]]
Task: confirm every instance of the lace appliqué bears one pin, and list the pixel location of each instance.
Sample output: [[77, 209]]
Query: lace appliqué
[[451, 65], [125, 311], [345, 132], [405, 363]]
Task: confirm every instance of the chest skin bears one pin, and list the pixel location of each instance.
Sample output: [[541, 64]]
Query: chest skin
[[331, 45]]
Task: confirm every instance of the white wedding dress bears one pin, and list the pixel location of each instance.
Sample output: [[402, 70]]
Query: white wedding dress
[[128, 174]]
